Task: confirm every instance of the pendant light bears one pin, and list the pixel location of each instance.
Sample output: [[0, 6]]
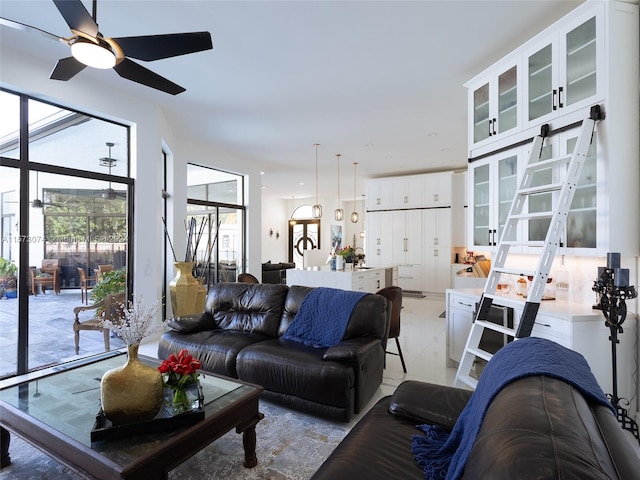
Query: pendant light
[[362, 232], [316, 210], [339, 213], [354, 214]]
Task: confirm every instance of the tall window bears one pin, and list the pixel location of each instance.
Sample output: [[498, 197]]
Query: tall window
[[64, 201], [215, 199]]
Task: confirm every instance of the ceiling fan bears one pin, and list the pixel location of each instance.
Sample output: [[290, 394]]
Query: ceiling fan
[[36, 202], [90, 48]]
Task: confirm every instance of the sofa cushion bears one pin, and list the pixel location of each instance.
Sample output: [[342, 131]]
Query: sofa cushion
[[293, 368], [376, 447], [217, 349], [539, 427], [429, 403], [247, 307]]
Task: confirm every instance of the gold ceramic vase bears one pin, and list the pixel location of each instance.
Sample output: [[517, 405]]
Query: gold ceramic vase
[[131, 393], [184, 290], [201, 297]]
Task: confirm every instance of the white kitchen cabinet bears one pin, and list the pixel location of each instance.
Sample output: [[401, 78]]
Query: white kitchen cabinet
[[367, 280], [493, 182], [411, 191], [438, 189], [585, 230], [574, 325], [379, 193], [459, 315], [565, 69], [378, 246], [436, 254], [495, 108], [407, 192], [406, 231]]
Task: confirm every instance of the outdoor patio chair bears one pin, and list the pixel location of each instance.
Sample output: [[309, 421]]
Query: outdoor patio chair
[[113, 310], [85, 285], [43, 280]]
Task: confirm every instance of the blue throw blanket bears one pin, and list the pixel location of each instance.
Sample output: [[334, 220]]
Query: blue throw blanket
[[443, 455], [322, 318]]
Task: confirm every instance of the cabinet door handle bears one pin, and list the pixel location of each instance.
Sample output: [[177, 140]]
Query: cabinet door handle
[[405, 244], [543, 324], [465, 304], [435, 253], [555, 92], [489, 241], [490, 121], [494, 126], [436, 198], [435, 240], [495, 235], [560, 105], [406, 199]]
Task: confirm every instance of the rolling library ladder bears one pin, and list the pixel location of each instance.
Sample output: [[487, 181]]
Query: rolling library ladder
[[558, 218]]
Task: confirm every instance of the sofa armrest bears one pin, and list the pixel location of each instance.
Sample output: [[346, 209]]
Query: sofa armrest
[[429, 403], [191, 323], [351, 350]]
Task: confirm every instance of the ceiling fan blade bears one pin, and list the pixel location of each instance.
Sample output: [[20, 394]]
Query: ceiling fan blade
[[28, 28], [137, 73], [77, 17], [155, 47], [66, 68]]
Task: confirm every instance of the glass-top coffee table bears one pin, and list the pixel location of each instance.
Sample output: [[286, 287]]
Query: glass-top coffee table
[[55, 411]]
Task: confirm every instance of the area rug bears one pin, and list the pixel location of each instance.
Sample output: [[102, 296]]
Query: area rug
[[290, 446]]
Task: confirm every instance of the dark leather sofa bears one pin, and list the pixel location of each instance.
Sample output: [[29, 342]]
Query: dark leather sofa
[[239, 336], [275, 272], [537, 427]]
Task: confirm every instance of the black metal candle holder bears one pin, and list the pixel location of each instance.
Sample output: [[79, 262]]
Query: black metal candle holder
[[613, 292]]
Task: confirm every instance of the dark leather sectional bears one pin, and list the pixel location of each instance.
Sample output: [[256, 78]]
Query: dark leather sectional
[[239, 336], [535, 428]]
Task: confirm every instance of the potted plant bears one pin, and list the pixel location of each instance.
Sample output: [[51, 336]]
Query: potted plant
[[8, 278], [111, 283]]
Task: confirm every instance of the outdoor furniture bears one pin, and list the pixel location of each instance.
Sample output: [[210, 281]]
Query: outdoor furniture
[[112, 309], [85, 285], [43, 279], [102, 269]]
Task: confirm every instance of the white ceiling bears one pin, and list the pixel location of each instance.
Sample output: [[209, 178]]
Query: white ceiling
[[380, 82]]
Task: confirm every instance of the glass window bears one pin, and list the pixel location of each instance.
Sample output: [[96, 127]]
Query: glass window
[[9, 125]]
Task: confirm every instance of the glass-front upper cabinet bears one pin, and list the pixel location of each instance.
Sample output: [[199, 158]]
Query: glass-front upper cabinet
[[494, 104], [494, 182], [582, 229], [564, 72]]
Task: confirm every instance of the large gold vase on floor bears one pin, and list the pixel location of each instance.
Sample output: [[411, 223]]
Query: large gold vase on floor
[[131, 393], [184, 290]]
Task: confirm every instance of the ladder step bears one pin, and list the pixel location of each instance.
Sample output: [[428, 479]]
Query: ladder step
[[532, 216], [522, 243], [546, 188], [480, 353], [514, 271], [551, 162], [469, 380], [496, 328]]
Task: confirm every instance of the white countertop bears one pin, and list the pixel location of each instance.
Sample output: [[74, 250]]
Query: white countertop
[[556, 308]]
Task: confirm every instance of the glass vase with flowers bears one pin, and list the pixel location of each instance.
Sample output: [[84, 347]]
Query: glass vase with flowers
[[180, 379]]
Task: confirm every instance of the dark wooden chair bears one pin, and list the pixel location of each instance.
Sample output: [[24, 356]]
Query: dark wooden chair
[[247, 278], [112, 309], [85, 285], [393, 295]]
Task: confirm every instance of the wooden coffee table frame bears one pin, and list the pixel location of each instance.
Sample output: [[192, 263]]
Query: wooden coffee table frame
[[242, 414]]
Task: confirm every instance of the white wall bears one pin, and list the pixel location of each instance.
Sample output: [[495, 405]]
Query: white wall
[[275, 216]]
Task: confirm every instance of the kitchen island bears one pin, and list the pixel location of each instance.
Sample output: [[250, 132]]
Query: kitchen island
[[362, 279]]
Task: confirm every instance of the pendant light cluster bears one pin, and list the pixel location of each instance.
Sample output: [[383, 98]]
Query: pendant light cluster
[[316, 210], [339, 212], [354, 214]]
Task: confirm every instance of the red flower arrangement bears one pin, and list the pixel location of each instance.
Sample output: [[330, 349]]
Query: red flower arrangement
[[178, 372]]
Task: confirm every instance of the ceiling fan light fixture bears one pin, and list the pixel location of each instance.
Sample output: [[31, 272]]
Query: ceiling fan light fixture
[[92, 54]]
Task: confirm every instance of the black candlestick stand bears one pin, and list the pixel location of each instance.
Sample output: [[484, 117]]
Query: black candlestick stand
[[613, 296]]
